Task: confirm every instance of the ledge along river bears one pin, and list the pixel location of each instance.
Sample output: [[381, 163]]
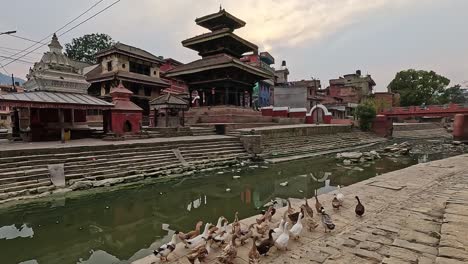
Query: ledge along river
[[122, 224]]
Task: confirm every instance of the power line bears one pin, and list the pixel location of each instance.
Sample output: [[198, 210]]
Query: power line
[[48, 36], [28, 62], [8, 48], [23, 38], [9, 53], [3, 67], [89, 18]]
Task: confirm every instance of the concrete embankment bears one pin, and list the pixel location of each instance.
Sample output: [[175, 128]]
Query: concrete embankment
[[415, 215]]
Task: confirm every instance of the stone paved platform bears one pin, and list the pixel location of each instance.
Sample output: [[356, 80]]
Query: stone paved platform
[[416, 215]]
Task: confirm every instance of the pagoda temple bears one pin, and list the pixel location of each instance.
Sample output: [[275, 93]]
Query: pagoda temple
[[220, 77]]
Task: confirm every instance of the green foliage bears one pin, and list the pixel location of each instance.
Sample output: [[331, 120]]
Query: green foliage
[[453, 94], [417, 87], [366, 113], [84, 48]]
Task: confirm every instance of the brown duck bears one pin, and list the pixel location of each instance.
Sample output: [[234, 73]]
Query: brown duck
[[229, 253], [295, 216], [336, 203], [254, 255], [308, 209], [359, 208], [200, 253], [318, 205], [191, 234], [266, 244]]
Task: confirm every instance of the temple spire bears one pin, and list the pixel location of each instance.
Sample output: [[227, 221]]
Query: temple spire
[[54, 45]]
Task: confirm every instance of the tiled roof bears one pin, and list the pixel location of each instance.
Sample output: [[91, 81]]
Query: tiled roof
[[55, 98], [130, 51], [217, 61], [168, 99], [97, 75]]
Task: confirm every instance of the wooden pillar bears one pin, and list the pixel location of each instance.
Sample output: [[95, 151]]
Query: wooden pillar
[[183, 117], [190, 97], [243, 97], [226, 96], [61, 121], [72, 117], [237, 97], [167, 118], [250, 98]]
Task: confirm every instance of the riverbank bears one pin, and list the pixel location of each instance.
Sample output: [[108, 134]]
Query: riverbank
[[414, 215]]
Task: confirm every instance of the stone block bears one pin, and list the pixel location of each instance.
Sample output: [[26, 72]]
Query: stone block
[[415, 246], [367, 254], [453, 253], [441, 260], [400, 253]]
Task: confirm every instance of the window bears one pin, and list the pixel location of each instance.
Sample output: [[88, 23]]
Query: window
[[3, 117], [123, 66], [147, 91], [109, 66], [154, 72], [107, 88], [139, 68]]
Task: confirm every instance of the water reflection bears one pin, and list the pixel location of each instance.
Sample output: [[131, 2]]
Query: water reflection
[[128, 224], [12, 232]]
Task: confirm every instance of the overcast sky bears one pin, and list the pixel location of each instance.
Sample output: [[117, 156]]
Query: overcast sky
[[318, 38]]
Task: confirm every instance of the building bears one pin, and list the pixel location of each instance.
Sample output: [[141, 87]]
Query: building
[[297, 94], [220, 78], [5, 115], [282, 74], [137, 69], [177, 86], [55, 99], [263, 90], [345, 93]]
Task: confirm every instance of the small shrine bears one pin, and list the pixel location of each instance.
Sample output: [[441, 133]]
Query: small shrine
[[55, 102], [125, 117], [168, 111]]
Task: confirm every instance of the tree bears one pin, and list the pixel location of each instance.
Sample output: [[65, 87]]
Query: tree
[[85, 48], [366, 112], [453, 94], [417, 87]]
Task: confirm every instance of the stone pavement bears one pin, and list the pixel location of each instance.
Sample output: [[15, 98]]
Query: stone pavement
[[416, 215]]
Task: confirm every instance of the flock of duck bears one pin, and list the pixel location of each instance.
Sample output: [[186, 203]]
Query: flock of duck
[[227, 236]]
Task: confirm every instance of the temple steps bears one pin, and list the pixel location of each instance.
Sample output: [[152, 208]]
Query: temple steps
[[24, 171], [303, 145], [203, 131]]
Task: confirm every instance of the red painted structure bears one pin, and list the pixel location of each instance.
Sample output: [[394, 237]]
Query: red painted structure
[[382, 126], [267, 111], [280, 111], [460, 127], [430, 110], [125, 117], [297, 112]]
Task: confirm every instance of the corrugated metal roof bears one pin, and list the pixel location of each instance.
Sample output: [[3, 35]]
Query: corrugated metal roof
[[55, 98]]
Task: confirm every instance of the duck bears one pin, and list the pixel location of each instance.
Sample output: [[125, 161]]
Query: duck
[[245, 235], [229, 253], [290, 208], [318, 205], [296, 229], [163, 251], [282, 241], [279, 230], [267, 216], [200, 239], [200, 253], [295, 216], [216, 229], [308, 209], [340, 195], [221, 238], [264, 246], [263, 228], [327, 222], [359, 208], [336, 203], [184, 237], [235, 223], [254, 255], [309, 221]]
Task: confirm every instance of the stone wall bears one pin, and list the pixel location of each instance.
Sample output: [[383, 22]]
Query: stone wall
[[298, 130]]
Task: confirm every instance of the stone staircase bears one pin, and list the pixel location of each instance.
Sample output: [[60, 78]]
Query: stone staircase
[[203, 131], [422, 134], [3, 134], [305, 145], [26, 171], [234, 133]]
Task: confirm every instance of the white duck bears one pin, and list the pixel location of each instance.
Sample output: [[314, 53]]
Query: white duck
[[296, 229], [163, 251], [339, 195], [279, 230], [200, 239], [282, 241], [217, 229]]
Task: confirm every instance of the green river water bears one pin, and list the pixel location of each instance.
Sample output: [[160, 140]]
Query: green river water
[[124, 224]]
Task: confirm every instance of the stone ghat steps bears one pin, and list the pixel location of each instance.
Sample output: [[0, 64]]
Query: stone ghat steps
[[203, 131], [120, 150], [307, 145], [19, 186], [30, 172]]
